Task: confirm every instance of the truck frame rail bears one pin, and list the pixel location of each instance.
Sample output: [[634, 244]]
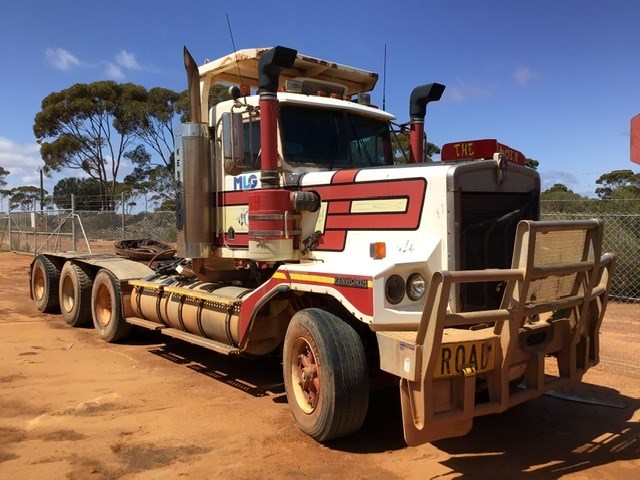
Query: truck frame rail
[[554, 300]]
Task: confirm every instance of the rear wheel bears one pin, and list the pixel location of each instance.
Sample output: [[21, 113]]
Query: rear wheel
[[45, 278], [325, 375], [75, 294], [106, 307]]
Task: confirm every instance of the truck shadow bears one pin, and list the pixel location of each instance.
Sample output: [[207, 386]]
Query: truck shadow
[[259, 378], [546, 438], [549, 437]]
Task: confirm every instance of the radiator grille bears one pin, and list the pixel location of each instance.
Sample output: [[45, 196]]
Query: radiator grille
[[487, 233]]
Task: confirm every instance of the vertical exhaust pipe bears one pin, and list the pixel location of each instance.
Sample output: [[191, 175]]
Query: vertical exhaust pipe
[[420, 96], [193, 87], [193, 174]]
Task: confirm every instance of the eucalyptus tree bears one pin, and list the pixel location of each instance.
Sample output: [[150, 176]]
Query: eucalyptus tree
[[25, 198], [87, 193], [89, 127], [3, 174]]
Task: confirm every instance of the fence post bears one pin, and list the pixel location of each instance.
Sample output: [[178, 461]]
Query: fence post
[[123, 210], [9, 231], [34, 225], [73, 222]]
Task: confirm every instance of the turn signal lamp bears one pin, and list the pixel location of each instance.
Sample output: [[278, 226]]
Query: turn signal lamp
[[378, 250]]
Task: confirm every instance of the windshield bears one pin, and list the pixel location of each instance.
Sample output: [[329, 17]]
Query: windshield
[[333, 138]]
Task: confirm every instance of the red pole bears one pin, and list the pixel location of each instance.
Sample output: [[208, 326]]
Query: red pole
[[635, 139], [269, 137], [416, 144]]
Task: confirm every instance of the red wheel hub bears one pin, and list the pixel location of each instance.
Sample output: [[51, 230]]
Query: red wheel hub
[[308, 377]]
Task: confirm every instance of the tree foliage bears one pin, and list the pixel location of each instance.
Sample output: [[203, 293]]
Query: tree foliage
[[400, 148], [90, 127], [153, 182], [560, 198], [3, 174], [96, 127], [155, 129], [618, 182], [24, 198], [87, 193]]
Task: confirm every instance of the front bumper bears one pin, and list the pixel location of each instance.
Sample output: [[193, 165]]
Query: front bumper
[[543, 336]]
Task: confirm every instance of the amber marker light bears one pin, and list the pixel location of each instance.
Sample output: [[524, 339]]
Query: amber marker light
[[378, 250]]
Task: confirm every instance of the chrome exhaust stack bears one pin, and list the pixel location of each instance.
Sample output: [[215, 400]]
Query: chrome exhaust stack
[[193, 175]]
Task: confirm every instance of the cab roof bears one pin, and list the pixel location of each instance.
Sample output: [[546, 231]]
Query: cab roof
[[241, 67]]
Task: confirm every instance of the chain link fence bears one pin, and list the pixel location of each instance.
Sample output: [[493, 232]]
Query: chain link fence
[[93, 232], [82, 231], [622, 237]]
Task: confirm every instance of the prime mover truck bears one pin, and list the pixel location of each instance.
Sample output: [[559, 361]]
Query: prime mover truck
[[305, 231]]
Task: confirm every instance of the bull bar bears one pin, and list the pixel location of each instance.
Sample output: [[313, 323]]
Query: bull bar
[[555, 297]]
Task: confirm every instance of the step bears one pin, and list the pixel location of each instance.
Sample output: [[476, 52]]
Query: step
[[148, 324], [207, 343]]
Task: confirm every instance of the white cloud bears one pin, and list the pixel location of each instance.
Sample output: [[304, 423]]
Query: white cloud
[[114, 72], [61, 59], [128, 60], [467, 91], [523, 75], [124, 61], [21, 160]]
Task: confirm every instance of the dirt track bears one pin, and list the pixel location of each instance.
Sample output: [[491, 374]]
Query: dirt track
[[74, 407]]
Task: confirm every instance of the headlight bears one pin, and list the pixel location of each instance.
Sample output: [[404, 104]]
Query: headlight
[[416, 286], [394, 289]]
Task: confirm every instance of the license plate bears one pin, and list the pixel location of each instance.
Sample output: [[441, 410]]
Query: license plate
[[454, 357]]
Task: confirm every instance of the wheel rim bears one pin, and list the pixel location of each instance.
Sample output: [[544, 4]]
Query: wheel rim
[[68, 296], [103, 306], [305, 376], [38, 284]]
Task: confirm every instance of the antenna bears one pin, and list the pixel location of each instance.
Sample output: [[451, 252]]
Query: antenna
[[384, 80], [233, 44]]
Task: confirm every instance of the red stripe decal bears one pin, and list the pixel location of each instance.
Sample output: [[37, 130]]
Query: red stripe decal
[[344, 176], [339, 206]]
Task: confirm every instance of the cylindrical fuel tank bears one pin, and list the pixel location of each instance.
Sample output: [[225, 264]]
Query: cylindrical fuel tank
[[149, 298], [201, 308]]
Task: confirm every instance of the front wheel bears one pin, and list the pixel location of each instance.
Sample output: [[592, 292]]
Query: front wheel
[[325, 375], [106, 307]]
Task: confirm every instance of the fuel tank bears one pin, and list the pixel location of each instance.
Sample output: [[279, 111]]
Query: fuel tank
[[202, 308]]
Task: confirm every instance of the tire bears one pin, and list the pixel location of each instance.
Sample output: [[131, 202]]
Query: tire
[[106, 308], [75, 294], [45, 279], [325, 375]]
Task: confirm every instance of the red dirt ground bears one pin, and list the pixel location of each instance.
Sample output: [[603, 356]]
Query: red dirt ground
[[74, 407]]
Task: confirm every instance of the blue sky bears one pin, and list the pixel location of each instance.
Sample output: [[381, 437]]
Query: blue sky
[[557, 80]]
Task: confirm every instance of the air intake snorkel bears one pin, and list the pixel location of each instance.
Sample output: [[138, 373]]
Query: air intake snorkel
[[420, 96], [272, 63], [271, 223]]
